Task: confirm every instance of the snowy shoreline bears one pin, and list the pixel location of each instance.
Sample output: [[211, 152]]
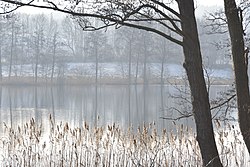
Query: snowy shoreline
[[109, 73], [79, 80]]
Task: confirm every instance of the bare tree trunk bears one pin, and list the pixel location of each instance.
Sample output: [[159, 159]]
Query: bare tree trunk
[[10, 108], [37, 57], [53, 66], [163, 61], [36, 68], [137, 69], [15, 55], [1, 43], [240, 61], [37, 113], [145, 61], [1, 72], [52, 104], [200, 100], [96, 62], [11, 49], [53, 58]]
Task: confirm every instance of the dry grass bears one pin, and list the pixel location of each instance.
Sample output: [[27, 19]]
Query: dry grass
[[32, 144]]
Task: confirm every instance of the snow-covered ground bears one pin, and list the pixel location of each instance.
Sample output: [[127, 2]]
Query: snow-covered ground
[[115, 70]]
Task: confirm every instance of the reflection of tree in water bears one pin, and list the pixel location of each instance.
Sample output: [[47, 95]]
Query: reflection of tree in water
[[96, 103], [76, 104], [10, 108], [52, 103], [38, 112], [0, 101]]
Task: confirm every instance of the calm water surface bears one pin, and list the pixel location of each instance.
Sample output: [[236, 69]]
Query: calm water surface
[[101, 105]]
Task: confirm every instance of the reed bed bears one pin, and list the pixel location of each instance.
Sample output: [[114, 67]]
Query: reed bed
[[61, 145]]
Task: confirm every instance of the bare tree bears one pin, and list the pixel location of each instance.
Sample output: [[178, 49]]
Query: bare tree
[[182, 24], [38, 41], [53, 43], [2, 35], [13, 25], [233, 20], [240, 60]]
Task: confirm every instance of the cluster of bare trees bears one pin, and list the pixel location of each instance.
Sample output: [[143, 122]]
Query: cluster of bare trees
[[27, 40], [48, 44], [180, 27]]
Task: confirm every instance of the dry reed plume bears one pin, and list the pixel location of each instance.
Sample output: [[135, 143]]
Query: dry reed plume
[[30, 145]]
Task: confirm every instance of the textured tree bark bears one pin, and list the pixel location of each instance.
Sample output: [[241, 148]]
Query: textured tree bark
[[194, 70], [240, 68]]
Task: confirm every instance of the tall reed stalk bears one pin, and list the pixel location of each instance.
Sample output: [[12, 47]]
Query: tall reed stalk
[[32, 144]]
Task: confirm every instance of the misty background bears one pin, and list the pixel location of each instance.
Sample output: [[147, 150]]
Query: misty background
[[42, 45], [49, 65]]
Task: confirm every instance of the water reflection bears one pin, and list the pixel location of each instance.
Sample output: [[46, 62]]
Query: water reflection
[[103, 104]]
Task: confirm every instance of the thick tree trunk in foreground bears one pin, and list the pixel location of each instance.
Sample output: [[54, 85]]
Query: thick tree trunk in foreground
[[200, 100], [240, 61]]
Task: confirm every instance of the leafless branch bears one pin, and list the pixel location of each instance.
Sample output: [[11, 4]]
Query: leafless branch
[[113, 18], [167, 8], [182, 115], [223, 103], [166, 17], [208, 79], [216, 23], [178, 118], [86, 27], [53, 4]]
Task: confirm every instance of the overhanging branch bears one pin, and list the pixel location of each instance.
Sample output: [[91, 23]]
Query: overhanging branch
[[114, 20]]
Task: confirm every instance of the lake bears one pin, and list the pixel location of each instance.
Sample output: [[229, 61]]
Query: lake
[[102, 104]]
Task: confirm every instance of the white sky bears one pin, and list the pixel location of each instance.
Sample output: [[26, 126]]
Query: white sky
[[198, 3], [210, 2]]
